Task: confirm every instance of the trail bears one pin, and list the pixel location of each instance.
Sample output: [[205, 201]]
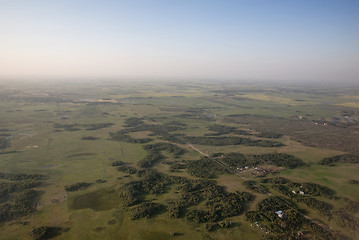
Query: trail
[[197, 150]]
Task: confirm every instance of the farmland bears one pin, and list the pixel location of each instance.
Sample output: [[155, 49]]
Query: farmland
[[178, 160]]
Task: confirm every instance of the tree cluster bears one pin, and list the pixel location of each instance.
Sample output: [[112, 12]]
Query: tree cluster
[[286, 186], [45, 232], [176, 123], [128, 194], [24, 201], [290, 223], [5, 212], [133, 122], [177, 165], [90, 138], [122, 137], [277, 159], [220, 129], [219, 204], [127, 169], [77, 126], [150, 182], [96, 126], [269, 135], [157, 130], [346, 158], [345, 219], [352, 206], [77, 186], [117, 163], [321, 233], [144, 210], [9, 188], [227, 140], [317, 190], [21, 176], [4, 143], [205, 168], [66, 127], [154, 153], [321, 207], [17, 196]]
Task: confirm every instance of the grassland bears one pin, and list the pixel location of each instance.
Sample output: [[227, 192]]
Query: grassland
[[45, 124]]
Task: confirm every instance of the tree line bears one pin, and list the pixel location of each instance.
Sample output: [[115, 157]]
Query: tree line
[[278, 159]]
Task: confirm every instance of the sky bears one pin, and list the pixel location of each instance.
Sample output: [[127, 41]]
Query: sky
[[290, 40]]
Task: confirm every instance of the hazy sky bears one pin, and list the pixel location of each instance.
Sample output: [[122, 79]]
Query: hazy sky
[[268, 39]]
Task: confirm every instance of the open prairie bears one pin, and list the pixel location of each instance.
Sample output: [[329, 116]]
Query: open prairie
[[189, 160]]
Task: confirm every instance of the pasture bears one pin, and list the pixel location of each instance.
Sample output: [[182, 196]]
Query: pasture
[[63, 132]]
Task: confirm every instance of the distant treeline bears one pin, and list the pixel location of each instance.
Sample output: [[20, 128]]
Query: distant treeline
[[76, 126], [7, 129], [127, 169], [90, 138], [77, 186], [133, 122], [154, 153], [312, 189], [22, 176], [226, 140], [137, 125], [163, 131], [210, 168], [122, 137], [278, 159], [222, 129], [346, 158]]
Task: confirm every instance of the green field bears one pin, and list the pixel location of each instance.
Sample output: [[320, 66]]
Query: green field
[[61, 132]]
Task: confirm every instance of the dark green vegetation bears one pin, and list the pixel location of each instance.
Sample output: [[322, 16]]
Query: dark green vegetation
[[144, 210], [90, 138], [309, 132], [76, 127], [163, 131], [4, 143], [45, 232], [277, 159], [222, 141], [17, 194], [154, 153], [219, 204], [178, 160], [347, 158], [205, 168], [77, 186], [282, 219]]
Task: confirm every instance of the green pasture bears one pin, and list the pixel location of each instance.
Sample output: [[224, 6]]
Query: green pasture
[[31, 110]]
